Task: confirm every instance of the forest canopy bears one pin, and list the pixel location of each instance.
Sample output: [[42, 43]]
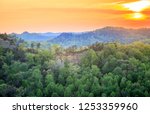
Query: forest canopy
[[99, 70]]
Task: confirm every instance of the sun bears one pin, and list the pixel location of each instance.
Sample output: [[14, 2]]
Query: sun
[[137, 6], [136, 16]]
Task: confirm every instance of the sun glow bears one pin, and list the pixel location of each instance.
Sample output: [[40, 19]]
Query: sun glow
[[72, 15], [137, 6], [136, 16]]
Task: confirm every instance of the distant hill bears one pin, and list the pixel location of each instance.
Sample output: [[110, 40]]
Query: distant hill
[[107, 34], [37, 36]]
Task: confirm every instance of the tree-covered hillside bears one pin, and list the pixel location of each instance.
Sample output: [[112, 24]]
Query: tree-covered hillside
[[103, 35], [102, 69]]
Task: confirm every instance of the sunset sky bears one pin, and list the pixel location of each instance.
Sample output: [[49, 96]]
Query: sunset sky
[[71, 15]]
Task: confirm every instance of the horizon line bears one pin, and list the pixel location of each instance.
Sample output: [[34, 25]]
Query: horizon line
[[134, 28]]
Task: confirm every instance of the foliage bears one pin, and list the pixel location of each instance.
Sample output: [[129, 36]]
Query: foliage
[[109, 69]]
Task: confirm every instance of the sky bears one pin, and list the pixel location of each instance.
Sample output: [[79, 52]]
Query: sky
[[72, 15]]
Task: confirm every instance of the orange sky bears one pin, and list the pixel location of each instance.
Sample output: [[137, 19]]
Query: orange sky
[[65, 15]]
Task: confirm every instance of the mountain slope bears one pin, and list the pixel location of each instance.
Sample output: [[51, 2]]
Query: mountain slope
[[37, 36], [107, 34]]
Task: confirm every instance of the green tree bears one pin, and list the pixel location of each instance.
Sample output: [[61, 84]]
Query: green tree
[[90, 58]]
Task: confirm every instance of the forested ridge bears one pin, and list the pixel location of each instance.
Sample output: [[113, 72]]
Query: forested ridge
[[105, 35], [102, 69]]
